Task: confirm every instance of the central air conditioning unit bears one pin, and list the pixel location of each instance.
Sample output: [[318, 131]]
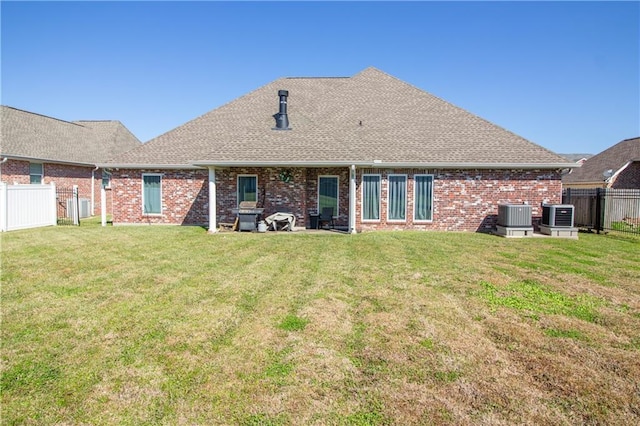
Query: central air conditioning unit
[[557, 215], [84, 208], [514, 220], [514, 215]]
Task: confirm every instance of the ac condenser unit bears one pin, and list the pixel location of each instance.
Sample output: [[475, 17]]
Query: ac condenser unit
[[84, 207], [557, 215], [514, 215]]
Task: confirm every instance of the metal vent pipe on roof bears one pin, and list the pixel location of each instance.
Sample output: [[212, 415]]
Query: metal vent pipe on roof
[[282, 121]]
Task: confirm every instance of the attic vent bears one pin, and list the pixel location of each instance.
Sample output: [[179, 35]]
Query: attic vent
[[282, 121]]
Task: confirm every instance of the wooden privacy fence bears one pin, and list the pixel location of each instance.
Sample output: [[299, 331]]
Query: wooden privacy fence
[[605, 209]]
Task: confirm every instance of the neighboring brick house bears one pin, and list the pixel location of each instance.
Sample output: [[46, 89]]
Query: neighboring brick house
[[617, 167], [382, 153], [37, 149]]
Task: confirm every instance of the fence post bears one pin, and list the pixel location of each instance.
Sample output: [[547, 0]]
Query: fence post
[[567, 196], [4, 207], [76, 206], [54, 204], [598, 209]]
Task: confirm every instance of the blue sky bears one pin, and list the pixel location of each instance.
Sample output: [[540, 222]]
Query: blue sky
[[565, 75]]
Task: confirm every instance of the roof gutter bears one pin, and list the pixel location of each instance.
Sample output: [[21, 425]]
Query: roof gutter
[[391, 164], [149, 166], [47, 160], [367, 164]]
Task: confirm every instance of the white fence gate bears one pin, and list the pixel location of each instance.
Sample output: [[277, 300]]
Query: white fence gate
[[27, 206]]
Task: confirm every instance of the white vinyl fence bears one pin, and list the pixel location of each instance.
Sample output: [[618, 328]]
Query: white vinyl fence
[[27, 206]]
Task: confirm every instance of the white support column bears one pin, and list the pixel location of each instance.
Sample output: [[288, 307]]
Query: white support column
[[76, 208], [213, 226], [93, 191], [352, 200], [103, 204]]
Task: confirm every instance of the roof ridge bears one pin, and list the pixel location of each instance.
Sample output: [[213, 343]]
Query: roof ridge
[[313, 78], [95, 121], [42, 115]]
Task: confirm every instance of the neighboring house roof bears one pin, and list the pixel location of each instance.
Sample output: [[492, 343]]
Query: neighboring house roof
[[614, 158], [33, 136], [576, 157], [371, 118]]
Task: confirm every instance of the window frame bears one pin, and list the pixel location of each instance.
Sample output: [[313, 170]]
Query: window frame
[[362, 195], [415, 193], [406, 178], [255, 176], [40, 175], [144, 212], [337, 178]]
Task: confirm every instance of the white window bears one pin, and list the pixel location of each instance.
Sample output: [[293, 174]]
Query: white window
[[397, 198], [36, 173], [423, 198], [370, 197], [152, 194], [247, 188]]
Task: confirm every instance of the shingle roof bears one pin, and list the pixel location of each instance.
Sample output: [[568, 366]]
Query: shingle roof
[[613, 158], [34, 136], [369, 117]]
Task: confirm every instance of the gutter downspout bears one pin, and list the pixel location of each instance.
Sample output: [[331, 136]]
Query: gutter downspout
[[213, 227], [93, 189], [352, 199], [103, 205]]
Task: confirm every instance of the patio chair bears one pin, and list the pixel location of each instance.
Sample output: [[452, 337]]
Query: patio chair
[[326, 216]]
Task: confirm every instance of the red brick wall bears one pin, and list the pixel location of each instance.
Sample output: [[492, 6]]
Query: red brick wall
[[185, 197], [273, 194], [343, 191], [17, 171], [300, 195], [463, 200]]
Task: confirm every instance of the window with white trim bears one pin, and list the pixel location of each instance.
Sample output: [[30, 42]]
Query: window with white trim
[[247, 188], [397, 198], [370, 197], [423, 198], [36, 173], [152, 194], [328, 193]]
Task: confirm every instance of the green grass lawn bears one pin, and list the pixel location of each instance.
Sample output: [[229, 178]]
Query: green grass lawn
[[170, 325]]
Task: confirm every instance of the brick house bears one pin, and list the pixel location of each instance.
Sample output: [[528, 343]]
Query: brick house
[[37, 149], [617, 167], [382, 153]]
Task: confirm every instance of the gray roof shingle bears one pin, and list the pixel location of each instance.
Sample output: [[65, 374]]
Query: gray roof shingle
[[34, 136], [613, 158], [369, 117]]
